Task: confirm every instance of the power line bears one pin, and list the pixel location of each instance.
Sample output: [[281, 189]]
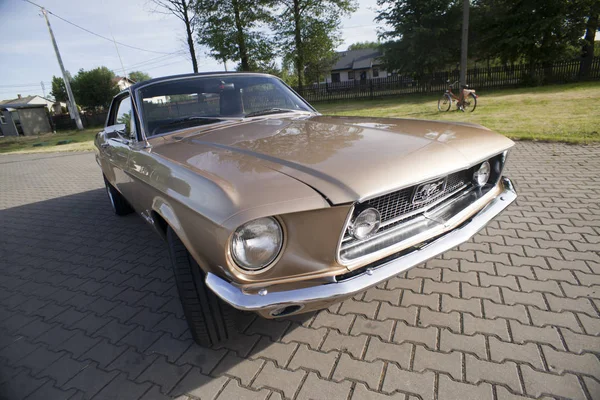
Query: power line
[[164, 65], [357, 26], [151, 61], [94, 33], [24, 85]]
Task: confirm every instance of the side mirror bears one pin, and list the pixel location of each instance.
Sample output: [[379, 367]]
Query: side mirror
[[115, 131]]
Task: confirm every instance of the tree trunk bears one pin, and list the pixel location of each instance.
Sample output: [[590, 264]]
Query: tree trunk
[[587, 51], [241, 40], [190, 38], [299, 46]]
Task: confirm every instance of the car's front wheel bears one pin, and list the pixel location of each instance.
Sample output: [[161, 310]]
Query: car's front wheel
[[210, 320], [119, 205]]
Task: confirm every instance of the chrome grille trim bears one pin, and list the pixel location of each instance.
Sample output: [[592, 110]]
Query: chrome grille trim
[[458, 185], [396, 207], [395, 204], [403, 219]]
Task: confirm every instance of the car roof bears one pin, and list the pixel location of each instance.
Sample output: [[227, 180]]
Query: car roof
[[190, 75]]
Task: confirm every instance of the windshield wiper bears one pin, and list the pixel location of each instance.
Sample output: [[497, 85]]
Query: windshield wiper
[[201, 120], [269, 111]]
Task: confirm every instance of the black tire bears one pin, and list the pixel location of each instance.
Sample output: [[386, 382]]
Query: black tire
[[211, 321], [119, 205], [445, 103], [470, 103]]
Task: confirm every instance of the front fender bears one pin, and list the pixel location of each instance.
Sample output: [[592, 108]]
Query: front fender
[[205, 249]]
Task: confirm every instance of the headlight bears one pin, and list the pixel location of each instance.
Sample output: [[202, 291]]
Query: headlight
[[482, 175], [257, 243], [365, 224]]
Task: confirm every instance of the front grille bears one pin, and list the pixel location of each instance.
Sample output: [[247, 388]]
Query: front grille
[[415, 211], [398, 207], [396, 204]]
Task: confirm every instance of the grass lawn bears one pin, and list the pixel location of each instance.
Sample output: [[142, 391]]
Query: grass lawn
[[80, 141], [564, 113]]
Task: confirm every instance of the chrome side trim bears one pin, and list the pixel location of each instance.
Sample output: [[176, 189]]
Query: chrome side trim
[[237, 298]]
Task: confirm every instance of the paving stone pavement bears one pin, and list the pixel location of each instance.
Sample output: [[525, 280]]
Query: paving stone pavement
[[89, 308]]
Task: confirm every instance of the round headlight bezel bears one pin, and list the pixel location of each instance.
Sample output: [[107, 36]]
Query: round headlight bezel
[[268, 262], [484, 170], [365, 213]]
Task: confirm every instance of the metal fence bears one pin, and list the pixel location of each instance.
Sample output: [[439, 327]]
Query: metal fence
[[64, 122], [478, 78]]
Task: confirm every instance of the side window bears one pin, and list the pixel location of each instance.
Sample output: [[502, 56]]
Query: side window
[[124, 115]]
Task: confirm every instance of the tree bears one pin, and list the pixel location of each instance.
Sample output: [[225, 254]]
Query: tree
[[309, 30], [424, 35], [94, 89], [587, 50], [184, 10], [316, 69], [364, 45], [59, 91], [535, 31], [139, 76], [231, 31]]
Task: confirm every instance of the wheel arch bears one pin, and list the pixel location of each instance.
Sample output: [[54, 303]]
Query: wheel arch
[[164, 217]]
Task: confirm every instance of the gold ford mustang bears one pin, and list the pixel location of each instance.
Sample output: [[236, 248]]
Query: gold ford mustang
[[268, 206]]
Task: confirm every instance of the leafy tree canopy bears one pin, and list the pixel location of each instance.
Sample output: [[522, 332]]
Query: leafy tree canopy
[[364, 45], [59, 91], [94, 89], [231, 29], [423, 35], [139, 76], [308, 31], [536, 31]]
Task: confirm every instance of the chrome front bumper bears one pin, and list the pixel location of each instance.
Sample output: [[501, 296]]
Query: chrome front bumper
[[371, 277]]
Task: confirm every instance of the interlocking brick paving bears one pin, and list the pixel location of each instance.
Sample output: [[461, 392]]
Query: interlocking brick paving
[[89, 308]]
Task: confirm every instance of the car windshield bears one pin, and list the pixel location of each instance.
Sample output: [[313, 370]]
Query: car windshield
[[201, 100]]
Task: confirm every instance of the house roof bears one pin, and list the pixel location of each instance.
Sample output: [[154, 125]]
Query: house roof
[[118, 79], [23, 100], [357, 59], [18, 100], [18, 106]]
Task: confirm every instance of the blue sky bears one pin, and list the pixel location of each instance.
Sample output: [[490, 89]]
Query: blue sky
[[28, 57]]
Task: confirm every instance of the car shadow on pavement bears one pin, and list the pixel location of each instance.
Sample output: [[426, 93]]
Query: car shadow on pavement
[[89, 307]]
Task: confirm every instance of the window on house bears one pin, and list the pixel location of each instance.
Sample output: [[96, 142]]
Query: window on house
[[350, 75], [335, 77], [375, 72], [2, 119]]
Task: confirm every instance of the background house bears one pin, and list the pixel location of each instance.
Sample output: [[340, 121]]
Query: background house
[[357, 65], [122, 82], [23, 119], [29, 100]]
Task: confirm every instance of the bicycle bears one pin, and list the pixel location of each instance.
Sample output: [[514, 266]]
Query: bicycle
[[466, 102]]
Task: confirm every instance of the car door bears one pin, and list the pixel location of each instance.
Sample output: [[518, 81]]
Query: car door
[[117, 139]]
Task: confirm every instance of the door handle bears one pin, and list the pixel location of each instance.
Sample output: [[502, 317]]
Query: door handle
[[104, 145]]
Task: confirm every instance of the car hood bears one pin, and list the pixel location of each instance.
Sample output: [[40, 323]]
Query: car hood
[[344, 158]]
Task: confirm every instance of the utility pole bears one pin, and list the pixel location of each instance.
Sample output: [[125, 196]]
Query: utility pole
[[464, 45], [73, 108]]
